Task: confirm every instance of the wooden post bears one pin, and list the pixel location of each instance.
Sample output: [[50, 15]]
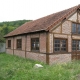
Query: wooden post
[[47, 48], [13, 45], [25, 44]]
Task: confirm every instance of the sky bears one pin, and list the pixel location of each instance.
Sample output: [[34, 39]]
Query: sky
[[11, 10]]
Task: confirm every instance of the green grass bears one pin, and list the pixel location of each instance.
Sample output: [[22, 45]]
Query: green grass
[[16, 68]]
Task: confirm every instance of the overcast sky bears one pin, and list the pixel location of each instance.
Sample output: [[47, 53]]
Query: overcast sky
[[11, 10]]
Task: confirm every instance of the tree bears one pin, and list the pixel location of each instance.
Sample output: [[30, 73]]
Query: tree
[[6, 27], [1, 37]]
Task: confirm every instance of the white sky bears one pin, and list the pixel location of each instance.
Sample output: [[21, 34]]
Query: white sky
[[11, 10]]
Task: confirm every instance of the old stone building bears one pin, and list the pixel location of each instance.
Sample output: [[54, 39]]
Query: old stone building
[[51, 39]]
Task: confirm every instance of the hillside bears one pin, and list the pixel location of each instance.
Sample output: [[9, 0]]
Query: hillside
[[6, 27]]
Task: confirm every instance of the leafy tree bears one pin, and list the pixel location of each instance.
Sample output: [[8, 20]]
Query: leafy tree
[[1, 37], [6, 27]]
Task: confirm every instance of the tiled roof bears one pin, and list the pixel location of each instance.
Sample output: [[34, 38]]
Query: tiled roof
[[44, 23]]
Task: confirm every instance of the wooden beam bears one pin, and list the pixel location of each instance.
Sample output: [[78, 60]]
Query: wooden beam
[[25, 44], [47, 47], [13, 45]]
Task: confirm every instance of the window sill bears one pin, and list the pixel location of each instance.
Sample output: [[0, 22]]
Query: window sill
[[36, 51], [9, 48], [60, 52], [75, 34], [75, 50], [19, 48]]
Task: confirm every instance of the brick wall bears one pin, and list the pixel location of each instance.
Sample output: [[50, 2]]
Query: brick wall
[[26, 44], [73, 18], [50, 44], [59, 58], [33, 55], [57, 30], [43, 42], [64, 33], [19, 53], [69, 43], [36, 56], [9, 51], [66, 27], [75, 37], [60, 36], [14, 42], [23, 42]]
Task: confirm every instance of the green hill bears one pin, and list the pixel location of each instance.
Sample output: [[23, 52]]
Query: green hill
[[6, 27]]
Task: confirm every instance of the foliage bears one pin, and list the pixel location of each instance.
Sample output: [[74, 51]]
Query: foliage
[[16, 68], [6, 27], [1, 37]]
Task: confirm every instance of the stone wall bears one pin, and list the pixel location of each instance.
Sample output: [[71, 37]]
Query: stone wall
[[2, 47]]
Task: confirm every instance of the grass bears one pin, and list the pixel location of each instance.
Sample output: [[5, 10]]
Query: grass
[[16, 68]]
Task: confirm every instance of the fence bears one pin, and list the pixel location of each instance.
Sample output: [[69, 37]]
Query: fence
[[2, 47]]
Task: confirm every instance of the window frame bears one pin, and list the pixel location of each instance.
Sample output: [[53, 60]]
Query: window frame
[[76, 32], [9, 44], [35, 50], [19, 46], [77, 45], [60, 39]]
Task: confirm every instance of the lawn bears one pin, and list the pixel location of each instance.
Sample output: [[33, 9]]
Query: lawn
[[16, 68]]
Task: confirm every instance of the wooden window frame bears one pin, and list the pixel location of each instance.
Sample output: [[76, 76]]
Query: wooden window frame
[[76, 46], [19, 44], [9, 43], [76, 28], [60, 51], [32, 43]]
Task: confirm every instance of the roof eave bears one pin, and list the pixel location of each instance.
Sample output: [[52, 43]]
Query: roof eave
[[26, 33]]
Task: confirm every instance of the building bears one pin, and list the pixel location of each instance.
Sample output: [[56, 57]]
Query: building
[[51, 39]]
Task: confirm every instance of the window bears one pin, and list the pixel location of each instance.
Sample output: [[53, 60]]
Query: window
[[9, 43], [59, 45], [78, 28], [75, 45], [19, 43], [75, 28], [35, 44]]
